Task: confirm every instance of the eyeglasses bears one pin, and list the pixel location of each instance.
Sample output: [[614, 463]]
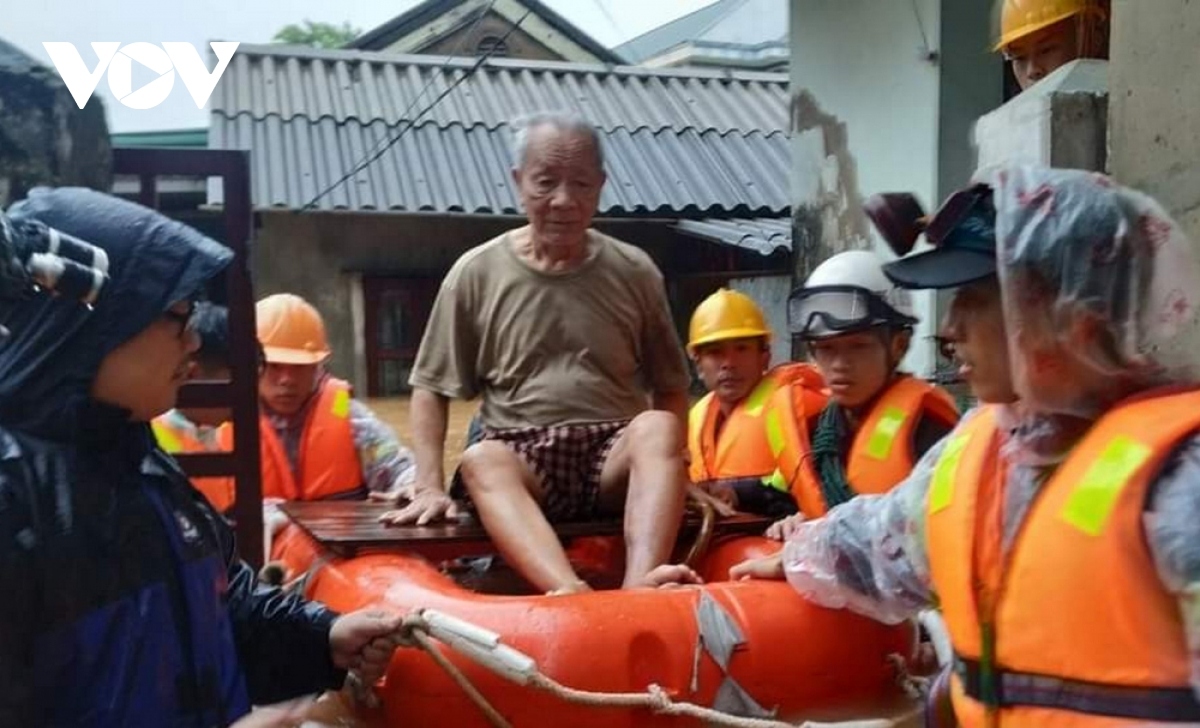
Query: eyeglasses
[[183, 318]]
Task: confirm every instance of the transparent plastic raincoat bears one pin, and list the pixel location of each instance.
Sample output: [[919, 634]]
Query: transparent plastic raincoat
[[1074, 249]]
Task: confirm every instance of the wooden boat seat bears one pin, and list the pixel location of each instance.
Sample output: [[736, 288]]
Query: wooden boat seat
[[347, 526]]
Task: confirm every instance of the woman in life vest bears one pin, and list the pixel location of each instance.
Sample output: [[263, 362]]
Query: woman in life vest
[[878, 421], [1058, 527]]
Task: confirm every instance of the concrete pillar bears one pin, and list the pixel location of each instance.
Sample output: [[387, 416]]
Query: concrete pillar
[[1062, 121], [1154, 108], [771, 295]]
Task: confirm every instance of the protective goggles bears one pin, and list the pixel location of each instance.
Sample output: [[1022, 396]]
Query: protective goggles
[[827, 310]]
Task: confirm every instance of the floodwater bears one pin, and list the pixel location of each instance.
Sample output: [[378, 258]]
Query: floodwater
[[394, 411]]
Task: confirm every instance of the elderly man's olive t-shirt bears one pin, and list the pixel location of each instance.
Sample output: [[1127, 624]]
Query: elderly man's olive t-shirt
[[543, 349]]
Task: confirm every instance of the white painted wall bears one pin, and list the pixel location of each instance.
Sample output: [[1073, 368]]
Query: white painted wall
[[862, 60], [907, 118], [771, 294]]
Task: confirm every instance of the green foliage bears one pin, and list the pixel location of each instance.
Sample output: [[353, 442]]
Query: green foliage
[[317, 35]]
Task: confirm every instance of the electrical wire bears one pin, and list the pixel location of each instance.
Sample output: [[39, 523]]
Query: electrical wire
[[389, 142]]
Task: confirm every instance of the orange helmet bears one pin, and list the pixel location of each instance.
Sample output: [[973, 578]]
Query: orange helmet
[[1019, 18], [726, 315], [291, 331]]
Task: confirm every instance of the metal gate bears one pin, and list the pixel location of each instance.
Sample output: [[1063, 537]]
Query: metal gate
[[241, 392]]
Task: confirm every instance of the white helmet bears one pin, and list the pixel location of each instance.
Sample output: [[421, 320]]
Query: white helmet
[[848, 292]]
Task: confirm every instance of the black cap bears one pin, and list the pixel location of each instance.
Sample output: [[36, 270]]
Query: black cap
[[963, 233]]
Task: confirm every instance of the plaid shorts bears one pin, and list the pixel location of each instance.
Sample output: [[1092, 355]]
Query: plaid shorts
[[568, 459]]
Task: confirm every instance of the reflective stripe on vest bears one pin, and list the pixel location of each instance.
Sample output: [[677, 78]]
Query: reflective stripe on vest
[[883, 436], [1037, 630], [219, 490], [739, 451], [778, 441], [167, 439], [881, 455]]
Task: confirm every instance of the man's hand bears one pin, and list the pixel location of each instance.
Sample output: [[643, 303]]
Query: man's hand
[[364, 641], [723, 492], [768, 567], [783, 529], [400, 492], [290, 714], [701, 495], [427, 506], [669, 576]]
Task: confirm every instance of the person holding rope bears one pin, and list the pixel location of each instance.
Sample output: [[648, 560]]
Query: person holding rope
[[128, 603]]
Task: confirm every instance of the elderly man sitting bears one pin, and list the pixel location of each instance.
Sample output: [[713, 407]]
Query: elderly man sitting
[[567, 336]]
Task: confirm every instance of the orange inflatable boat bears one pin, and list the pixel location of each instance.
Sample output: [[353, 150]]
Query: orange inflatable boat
[[753, 648]]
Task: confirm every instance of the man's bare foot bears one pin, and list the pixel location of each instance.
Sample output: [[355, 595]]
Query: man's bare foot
[[669, 576]]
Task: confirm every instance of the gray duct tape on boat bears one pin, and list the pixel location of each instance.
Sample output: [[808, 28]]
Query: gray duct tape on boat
[[719, 633], [732, 699], [720, 636]]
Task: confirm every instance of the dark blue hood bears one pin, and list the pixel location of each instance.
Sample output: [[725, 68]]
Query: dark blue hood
[[48, 362]]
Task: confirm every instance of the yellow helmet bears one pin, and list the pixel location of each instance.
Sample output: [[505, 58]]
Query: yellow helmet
[[726, 315], [1019, 18]]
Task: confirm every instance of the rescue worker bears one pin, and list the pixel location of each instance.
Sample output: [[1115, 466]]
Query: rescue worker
[[730, 453], [127, 602], [1039, 36], [318, 442], [200, 429], [1058, 527], [878, 421]]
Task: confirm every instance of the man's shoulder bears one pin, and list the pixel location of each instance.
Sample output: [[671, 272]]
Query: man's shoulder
[[479, 258], [626, 254]]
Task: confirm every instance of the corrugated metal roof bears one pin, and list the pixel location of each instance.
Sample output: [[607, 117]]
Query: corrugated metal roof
[[690, 142], [763, 235], [289, 81]]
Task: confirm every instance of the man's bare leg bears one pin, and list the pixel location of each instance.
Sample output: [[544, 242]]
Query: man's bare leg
[[646, 467], [506, 495]]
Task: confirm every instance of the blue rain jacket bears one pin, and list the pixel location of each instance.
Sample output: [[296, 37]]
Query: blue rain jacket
[[124, 603]]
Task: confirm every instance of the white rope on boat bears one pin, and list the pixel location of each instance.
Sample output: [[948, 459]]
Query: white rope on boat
[[484, 647]]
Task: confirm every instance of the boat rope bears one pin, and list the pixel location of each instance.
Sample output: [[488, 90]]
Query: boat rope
[[420, 628]]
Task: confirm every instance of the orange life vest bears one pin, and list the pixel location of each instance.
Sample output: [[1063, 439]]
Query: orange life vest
[[327, 464], [882, 454], [219, 491], [741, 449], [1072, 627]]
